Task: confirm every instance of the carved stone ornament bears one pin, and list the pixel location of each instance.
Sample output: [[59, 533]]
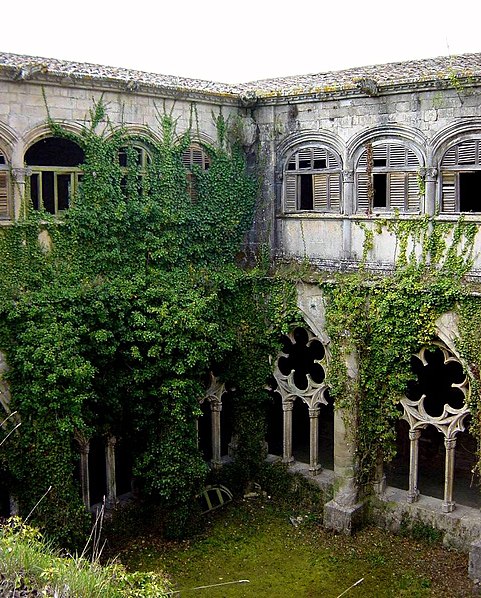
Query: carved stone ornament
[[215, 391], [451, 420], [287, 385]]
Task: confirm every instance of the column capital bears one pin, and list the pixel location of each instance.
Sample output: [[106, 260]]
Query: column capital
[[348, 176], [287, 405]]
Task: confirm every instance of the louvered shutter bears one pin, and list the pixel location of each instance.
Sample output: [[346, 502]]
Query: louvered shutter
[[319, 153], [4, 194], [397, 191], [335, 192], [305, 158], [467, 152], [321, 186], [379, 152], [397, 156], [290, 197], [449, 192], [450, 158], [362, 197], [413, 192]]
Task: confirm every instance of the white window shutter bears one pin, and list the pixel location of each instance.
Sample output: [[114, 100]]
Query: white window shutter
[[467, 152], [4, 194], [335, 192], [362, 187], [449, 192], [397, 191], [290, 196], [414, 197], [321, 197]]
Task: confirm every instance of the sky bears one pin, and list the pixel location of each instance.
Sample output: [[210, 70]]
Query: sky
[[241, 41]]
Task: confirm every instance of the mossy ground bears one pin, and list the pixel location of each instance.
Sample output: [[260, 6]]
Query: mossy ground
[[256, 541]]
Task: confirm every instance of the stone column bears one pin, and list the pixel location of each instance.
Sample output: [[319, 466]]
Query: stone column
[[287, 407], [344, 513], [110, 470], [314, 466], [413, 493], [430, 191], [20, 176], [448, 503], [216, 408], [84, 472], [348, 209]]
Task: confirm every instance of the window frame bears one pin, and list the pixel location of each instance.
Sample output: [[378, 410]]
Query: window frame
[[325, 181], [6, 195], [449, 180], [75, 179], [401, 169]]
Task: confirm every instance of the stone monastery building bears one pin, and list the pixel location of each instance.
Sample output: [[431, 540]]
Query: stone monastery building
[[340, 153]]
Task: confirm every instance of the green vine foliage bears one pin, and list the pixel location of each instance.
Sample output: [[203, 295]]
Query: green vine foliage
[[111, 322], [379, 322]]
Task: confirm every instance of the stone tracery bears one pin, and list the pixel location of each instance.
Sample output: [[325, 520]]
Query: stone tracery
[[299, 373], [442, 404]]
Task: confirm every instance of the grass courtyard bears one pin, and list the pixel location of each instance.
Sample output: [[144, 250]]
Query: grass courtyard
[[256, 541]]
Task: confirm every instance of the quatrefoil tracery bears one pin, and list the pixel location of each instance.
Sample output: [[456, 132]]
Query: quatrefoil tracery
[[449, 417], [306, 382]]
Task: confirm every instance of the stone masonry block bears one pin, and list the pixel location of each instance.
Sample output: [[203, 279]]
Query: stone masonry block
[[343, 519]]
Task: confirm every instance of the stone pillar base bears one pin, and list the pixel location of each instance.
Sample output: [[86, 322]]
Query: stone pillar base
[[343, 519], [474, 566]]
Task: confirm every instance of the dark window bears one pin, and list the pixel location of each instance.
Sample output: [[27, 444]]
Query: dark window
[[318, 164], [55, 164], [379, 162], [306, 198], [379, 181], [54, 151], [470, 191]]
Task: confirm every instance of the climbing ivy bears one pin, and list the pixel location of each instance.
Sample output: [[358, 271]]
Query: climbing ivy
[[379, 322], [113, 316]]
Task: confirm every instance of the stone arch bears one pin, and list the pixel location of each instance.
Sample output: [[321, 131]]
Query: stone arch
[[8, 140], [311, 174], [299, 375], [43, 130], [457, 155], [412, 138], [54, 170]]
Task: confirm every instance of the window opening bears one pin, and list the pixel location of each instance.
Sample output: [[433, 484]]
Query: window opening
[[435, 409], [312, 181], [379, 182], [394, 184], [299, 379], [306, 199], [461, 178], [470, 191], [55, 173]]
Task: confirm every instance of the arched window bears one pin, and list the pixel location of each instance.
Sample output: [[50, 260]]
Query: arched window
[[194, 157], [55, 173], [312, 181], [387, 178], [461, 177], [5, 192]]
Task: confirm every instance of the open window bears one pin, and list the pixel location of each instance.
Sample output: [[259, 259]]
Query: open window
[[387, 179], [55, 164], [312, 181], [461, 178], [5, 190]]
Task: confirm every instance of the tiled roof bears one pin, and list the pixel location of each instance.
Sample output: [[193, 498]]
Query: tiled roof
[[395, 73], [25, 67], [368, 78]]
